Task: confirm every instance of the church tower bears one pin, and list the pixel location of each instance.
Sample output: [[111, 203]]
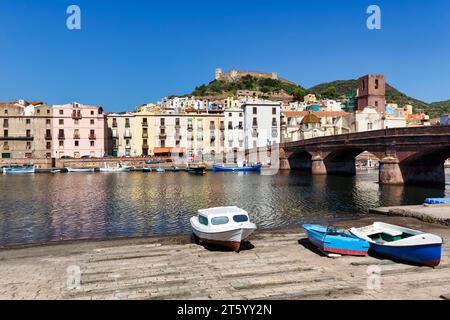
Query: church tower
[[371, 92]]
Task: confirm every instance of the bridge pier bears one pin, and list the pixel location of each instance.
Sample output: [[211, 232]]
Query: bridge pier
[[318, 166], [390, 172]]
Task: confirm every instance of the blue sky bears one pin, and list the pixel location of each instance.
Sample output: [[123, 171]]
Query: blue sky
[[131, 52]]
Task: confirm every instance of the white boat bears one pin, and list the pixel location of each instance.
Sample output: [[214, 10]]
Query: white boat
[[401, 243], [119, 168], [19, 169], [73, 169], [225, 226]]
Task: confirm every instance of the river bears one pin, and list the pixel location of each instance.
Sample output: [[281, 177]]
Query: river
[[49, 207]]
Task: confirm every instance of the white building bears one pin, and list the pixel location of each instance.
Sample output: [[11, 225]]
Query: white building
[[235, 134]]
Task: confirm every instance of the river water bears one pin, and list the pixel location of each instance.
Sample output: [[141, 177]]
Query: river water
[[44, 207]]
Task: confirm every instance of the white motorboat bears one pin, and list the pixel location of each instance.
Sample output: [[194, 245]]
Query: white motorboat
[[73, 169], [225, 226], [119, 168]]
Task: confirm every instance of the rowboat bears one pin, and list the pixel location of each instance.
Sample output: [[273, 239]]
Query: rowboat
[[331, 240], [400, 243], [224, 226], [221, 167], [119, 168], [74, 169], [19, 169], [437, 200]]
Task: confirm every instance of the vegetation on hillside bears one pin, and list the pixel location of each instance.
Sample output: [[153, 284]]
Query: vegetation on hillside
[[248, 82], [329, 90]]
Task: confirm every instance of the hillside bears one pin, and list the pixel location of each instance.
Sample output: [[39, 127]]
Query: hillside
[[331, 90], [248, 82]]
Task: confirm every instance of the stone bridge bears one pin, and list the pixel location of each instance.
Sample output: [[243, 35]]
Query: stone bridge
[[412, 155]]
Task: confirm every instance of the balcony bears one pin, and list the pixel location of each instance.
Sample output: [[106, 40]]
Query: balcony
[[92, 136], [189, 127], [144, 135], [162, 126], [76, 115], [76, 136], [162, 136], [127, 134]]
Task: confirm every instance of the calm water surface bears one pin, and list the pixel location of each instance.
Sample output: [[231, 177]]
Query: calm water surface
[[45, 207]]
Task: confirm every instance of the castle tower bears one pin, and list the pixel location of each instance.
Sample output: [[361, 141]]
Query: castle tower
[[371, 92], [218, 73]]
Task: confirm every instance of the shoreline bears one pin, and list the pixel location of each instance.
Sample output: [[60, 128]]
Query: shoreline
[[277, 264]]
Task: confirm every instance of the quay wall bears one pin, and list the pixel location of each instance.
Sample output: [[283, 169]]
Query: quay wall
[[41, 163]]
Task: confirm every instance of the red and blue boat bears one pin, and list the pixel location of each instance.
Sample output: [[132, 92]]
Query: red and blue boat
[[220, 167], [332, 240], [400, 243]]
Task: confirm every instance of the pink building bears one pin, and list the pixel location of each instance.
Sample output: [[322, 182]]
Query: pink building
[[78, 130]]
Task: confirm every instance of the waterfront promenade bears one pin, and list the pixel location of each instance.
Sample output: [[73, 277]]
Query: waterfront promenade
[[281, 265]]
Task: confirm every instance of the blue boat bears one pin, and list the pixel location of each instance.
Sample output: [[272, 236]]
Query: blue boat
[[255, 167], [332, 240], [19, 169], [437, 200], [401, 243], [152, 162]]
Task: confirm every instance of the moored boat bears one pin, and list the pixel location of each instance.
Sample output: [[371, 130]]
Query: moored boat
[[118, 168], [437, 200], [196, 168], [221, 167], [175, 169], [331, 240], [400, 243], [225, 226], [160, 169], [75, 169], [19, 169]]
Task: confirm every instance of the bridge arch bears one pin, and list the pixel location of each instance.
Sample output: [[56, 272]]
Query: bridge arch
[[300, 159]]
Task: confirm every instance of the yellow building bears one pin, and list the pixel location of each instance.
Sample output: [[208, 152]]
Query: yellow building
[[310, 98]]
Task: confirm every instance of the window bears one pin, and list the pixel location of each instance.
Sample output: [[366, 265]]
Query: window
[[376, 83], [127, 142], [48, 111], [255, 110], [369, 126], [92, 143], [203, 220], [240, 125], [76, 143], [5, 123], [92, 121], [162, 121], [61, 121], [47, 121], [240, 218], [28, 155], [76, 121], [92, 112], [27, 121], [28, 133], [38, 111], [6, 111], [219, 220], [49, 145], [230, 125], [61, 111], [5, 133], [274, 110], [230, 114], [240, 114], [177, 143], [61, 143], [163, 143], [376, 103], [364, 85], [177, 121], [274, 122], [255, 122], [28, 145]]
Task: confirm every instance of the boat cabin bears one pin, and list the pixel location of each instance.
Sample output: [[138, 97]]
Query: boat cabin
[[222, 216]]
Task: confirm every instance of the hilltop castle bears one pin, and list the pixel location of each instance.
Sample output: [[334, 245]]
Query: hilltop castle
[[234, 75]]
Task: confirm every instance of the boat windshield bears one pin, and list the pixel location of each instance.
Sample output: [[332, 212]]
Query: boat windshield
[[240, 218], [203, 220], [219, 220]]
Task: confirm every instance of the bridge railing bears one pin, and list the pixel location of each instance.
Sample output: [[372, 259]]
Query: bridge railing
[[391, 132]]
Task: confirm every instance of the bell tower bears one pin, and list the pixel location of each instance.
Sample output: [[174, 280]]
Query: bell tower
[[372, 92]]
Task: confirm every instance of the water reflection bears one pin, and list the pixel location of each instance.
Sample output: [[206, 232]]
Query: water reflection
[[46, 207]]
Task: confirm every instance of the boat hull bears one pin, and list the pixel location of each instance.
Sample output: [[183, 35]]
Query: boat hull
[[217, 168], [17, 171], [346, 245], [80, 169], [428, 255], [230, 239]]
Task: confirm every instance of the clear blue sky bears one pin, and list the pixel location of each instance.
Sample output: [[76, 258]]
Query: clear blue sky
[[131, 52]]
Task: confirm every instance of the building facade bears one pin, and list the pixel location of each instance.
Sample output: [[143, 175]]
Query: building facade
[[78, 130]]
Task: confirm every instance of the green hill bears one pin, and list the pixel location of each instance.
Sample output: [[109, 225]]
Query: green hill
[[330, 90], [248, 82]]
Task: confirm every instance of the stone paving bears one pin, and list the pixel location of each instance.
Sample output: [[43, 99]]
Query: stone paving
[[281, 265]]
